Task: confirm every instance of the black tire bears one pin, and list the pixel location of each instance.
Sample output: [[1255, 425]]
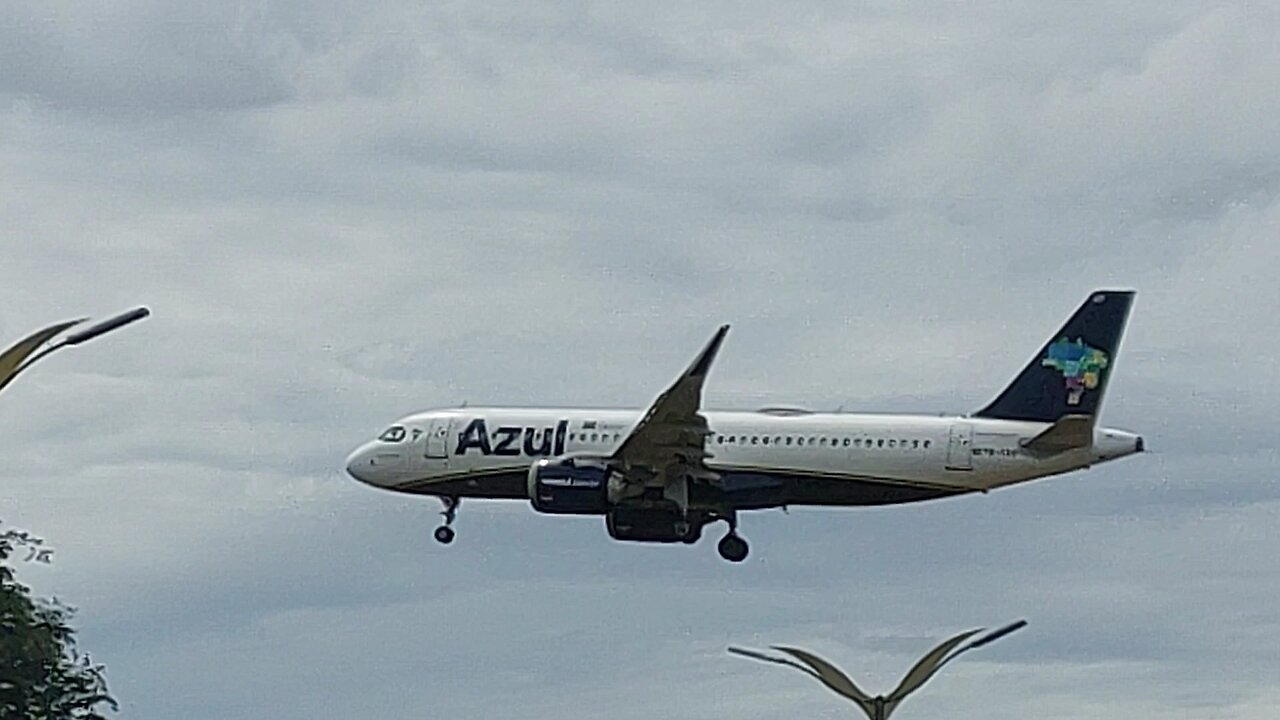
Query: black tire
[[733, 548], [444, 535]]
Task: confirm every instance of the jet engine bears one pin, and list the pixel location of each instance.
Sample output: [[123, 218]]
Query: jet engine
[[574, 485], [579, 485]]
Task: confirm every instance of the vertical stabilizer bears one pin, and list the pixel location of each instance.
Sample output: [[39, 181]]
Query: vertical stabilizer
[[1069, 374]]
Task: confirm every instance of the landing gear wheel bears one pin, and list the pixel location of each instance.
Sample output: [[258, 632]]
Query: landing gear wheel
[[733, 548], [444, 535]]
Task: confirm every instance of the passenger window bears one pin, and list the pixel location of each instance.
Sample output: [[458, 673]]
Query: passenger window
[[880, 442], [790, 439], [846, 442], [799, 441], [755, 440], [926, 443], [822, 441], [765, 439], [915, 443]]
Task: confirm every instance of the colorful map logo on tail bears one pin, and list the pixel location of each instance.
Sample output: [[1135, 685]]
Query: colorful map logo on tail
[[1081, 366]]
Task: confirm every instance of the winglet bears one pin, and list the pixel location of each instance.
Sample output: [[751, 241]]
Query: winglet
[[703, 362]]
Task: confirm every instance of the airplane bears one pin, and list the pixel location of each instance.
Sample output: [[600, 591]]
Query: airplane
[[662, 474]]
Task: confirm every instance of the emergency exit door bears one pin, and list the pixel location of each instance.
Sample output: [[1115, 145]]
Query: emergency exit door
[[438, 438], [960, 447]]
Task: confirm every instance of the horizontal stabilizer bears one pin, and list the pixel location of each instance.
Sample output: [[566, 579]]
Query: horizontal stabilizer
[[1068, 433]]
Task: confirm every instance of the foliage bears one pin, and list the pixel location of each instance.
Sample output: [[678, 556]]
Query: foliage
[[43, 676]]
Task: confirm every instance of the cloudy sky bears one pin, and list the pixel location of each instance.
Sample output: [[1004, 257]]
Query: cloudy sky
[[343, 212]]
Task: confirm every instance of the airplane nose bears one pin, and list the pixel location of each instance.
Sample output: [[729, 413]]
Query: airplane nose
[[375, 464], [359, 465]]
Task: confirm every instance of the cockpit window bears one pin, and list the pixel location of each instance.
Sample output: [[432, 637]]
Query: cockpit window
[[395, 433]]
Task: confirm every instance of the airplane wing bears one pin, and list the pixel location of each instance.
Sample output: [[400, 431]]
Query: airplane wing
[[669, 442]]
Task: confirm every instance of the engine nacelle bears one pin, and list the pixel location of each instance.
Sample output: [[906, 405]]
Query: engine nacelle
[[569, 486], [652, 523]]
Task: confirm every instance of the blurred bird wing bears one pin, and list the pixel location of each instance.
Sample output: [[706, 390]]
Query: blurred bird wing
[[11, 360], [928, 665], [830, 675], [757, 655]]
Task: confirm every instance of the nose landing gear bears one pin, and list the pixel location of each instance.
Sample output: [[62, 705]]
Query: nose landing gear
[[445, 534]]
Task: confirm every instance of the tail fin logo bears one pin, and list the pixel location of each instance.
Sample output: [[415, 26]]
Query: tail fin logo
[[1081, 366]]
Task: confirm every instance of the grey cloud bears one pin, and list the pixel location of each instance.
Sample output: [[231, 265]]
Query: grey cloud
[[341, 214], [141, 59]]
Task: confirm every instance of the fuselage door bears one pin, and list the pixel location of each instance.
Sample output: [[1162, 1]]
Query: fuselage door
[[960, 447], [438, 438]]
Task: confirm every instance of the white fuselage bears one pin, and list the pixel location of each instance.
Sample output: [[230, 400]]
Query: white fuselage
[[806, 458]]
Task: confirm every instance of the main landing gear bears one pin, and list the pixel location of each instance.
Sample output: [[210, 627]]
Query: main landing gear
[[444, 534], [732, 547]]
